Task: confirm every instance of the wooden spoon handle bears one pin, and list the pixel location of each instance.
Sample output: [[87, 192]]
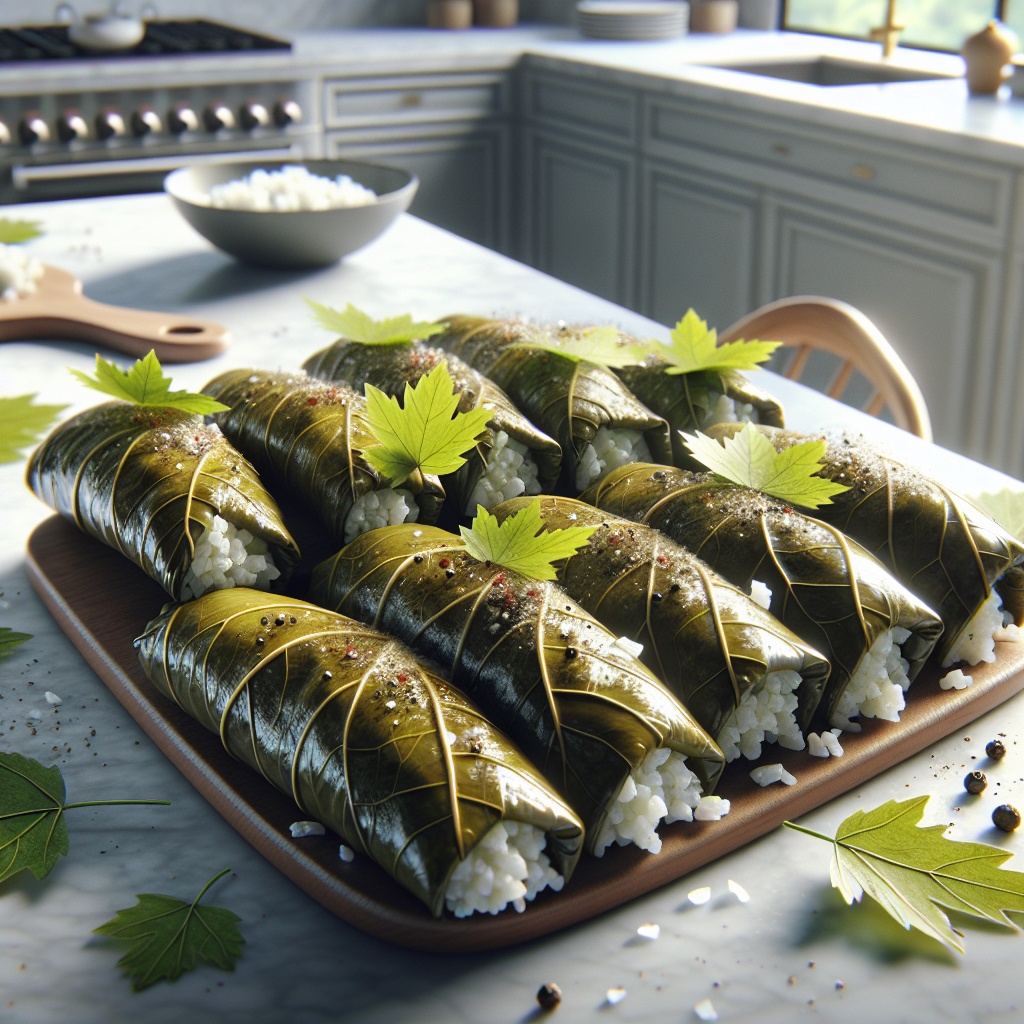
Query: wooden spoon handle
[[174, 339]]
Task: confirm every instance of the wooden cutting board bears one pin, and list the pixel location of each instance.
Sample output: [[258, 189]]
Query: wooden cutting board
[[102, 601], [57, 309]]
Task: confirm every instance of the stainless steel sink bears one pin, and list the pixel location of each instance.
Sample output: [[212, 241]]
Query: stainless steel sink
[[831, 71]]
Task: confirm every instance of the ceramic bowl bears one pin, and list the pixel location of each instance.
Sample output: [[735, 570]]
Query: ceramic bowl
[[291, 239]]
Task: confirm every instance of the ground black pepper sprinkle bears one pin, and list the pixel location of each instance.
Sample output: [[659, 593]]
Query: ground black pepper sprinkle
[[549, 996], [995, 750], [1006, 817], [975, 782]]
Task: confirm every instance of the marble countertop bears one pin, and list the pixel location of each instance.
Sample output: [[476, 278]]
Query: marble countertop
[[779, 958]]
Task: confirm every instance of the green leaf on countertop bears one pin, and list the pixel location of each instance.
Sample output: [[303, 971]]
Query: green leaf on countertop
[[14, 231], [913, 871], [750, 459], [166, 936], [9, 639], [1006, 507], [521, 543], [355, 325], [425, 432], [694, 347], [32, 830], [601, 345], [21, 423], [145, 384]]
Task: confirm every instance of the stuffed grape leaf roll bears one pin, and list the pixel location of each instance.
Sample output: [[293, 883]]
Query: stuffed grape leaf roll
[[824, 586], [369, 741], [168, 492], [602, 729]]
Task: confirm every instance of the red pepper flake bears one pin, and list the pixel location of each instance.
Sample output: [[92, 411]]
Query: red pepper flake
[[531, 593], [310, 401], [662, 559], [402, 678], [499, 579], [444, 563], [615, 540], [351, 652]]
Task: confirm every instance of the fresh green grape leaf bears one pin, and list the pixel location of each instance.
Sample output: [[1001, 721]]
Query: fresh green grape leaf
[[521, 542], [750, 459], [14, 231], [166, 936], [601, 345], [9, 639], [145, 384], [1006, 507], [32, 830], [694, 347], [355, 325], [425, 432], [21, 423], [912, 871]]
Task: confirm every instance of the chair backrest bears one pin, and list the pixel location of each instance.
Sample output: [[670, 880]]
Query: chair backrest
[[810, 322]]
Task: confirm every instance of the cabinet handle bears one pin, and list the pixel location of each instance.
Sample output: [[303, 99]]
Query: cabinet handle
[[411, 99], [863, 172]]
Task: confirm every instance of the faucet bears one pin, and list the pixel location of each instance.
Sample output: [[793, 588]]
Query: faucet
[[889, 32]]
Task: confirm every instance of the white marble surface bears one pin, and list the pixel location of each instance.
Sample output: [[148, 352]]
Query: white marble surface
[[300, 964]]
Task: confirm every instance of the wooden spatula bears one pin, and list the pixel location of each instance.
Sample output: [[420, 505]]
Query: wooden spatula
[[57, 309]]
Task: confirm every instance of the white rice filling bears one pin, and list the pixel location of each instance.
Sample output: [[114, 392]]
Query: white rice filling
[[825, 744], [18, 273], [977, 641], [506, 866], [722, 409], [510, 471], [661, 788], [767, 774], [227, 557], [955, 680], [612, 447], [877, 687], [765, 713], [376, 509]]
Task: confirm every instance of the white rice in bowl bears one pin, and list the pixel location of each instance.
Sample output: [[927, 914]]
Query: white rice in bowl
[[227, 557], [508, 865], [766, 712], [18, 273], [376, 509], [878, 684], [510, 471], [612, 447], [287, 190]]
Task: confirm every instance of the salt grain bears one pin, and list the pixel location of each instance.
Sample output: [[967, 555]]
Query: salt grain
[[346, 853], [699, 896], [705, 1010], [306, 828], [615, 995], [52, 698], [629, 646], [649, 931], [739, 892]]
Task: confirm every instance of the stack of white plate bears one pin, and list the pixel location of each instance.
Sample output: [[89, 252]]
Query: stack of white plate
[[633, 19]]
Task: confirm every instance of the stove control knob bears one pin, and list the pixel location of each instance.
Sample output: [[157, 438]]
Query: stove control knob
[[253, 115], [71, 125], [217, 116], [109, 123], [286, 112], [5, 135], [182, 119], [146, 120], [33, 129]]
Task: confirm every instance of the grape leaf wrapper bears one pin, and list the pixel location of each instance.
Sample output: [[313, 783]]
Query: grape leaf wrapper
[[21, 423], [145, 384], [521, 542], [167, 936], [695, 347], [9, 639], [750, 459], [355, 325], [33, 834], [913, 872], [601, 345]]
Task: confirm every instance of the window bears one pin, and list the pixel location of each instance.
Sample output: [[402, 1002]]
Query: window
[[931, 24]]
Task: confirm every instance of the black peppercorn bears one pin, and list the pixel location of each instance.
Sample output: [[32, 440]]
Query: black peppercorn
[[449, 573], [656, 596], [975, 782], [549, 996], [259, 641], [570, 653], [293, 620], [996, 750], [674, 588], [1006, 817], [279, 621], [327, 675], [264, 621], [417, 559]]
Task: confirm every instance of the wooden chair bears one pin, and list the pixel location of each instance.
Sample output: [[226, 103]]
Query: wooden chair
[[809, 322]]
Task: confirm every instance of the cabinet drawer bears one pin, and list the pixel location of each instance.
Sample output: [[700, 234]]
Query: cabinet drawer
[[582, 106], [977, 192], [359, 102]]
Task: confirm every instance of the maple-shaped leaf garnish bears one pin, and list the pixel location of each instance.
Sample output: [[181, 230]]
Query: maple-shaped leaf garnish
[[14, 231], [21, 423], [1006, 507], [32, 830], [145, 384], [167, 936], [913, 871], [355, 325], [601, 345], [425, 432], [694, 347], [521, 542], [750, 459], [9, 639]]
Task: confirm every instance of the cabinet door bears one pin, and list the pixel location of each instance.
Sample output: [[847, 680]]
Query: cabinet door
[[699, 242], [464, 184], [934, 301], [579, 208]]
